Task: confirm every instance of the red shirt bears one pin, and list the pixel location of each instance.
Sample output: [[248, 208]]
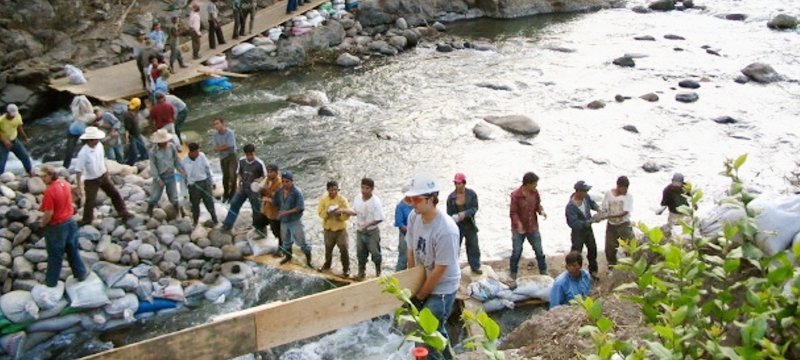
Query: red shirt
[[162, 114], [524, 210], [58, 199]]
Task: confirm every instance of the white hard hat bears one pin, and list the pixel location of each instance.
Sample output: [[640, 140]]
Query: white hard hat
[[422, 184]]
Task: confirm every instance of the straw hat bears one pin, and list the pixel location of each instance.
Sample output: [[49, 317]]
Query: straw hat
[[160, 136], [93, 133]]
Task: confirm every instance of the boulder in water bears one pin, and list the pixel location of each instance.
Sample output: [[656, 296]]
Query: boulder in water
[[761, 72], [624, 61], [597, 104], [631, 128], [348, 60], [735, 17], [674, 37], [687, 97], [651, 167], [517, 124], [689, 84], [662, 5], [639, 9], [445, 48], [725, 120], [483, 131], [782, 22]]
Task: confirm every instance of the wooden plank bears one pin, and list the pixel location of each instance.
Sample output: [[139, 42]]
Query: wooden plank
[[298, 266], [209, 71], [273, 324]]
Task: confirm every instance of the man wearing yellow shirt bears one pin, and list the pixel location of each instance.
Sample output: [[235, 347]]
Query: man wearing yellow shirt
[[10, 127], [334, 211]]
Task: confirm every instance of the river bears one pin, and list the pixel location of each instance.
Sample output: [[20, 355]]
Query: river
[[415, 112]]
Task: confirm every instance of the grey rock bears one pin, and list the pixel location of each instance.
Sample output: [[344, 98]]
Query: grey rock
[[85, 244], [687, 97], [146, 251], [624, 61], [640, 9], [22, 268], [650, 167], [782, 22], [22, 236], [631, 128], [193, 273], [25, 284], [326, 111], [662, 5], [445, 48], [651, 97], [412, 37], [736, 17], [108, 225], [372, 14], [173, 256], [112, 253], [212, 252], [5, 259], [500, 87], [401, 24], [196, 264], [167, 229], [760, 72], [347, 23], [439, 27], [597, 104], [7, 234], [89, 232], [689, 84], [36, 185], [5, 245], [180, 273], [5, 272], [154, 274], [399, 42], [741, 79], [204, 242], [7, 177], [191, 251], [305, 99], [167, 267], [348, 60], [184, 226], [219, 238], [517, 124], [231, 253], [36, 255], [725, 120], [644, 38], [674, 37], [16, 214]]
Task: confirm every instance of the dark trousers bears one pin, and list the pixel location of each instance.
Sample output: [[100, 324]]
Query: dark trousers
[[180, 118], [473, 250], [103, 183], [238, 23], [62, 239], [195, 46], [337, 239], [581, 238], [229, 165], [214, 34], [260, 223], [291, 6], [72, 148], [613, 234], [368, 243], [136, 150], [251, 13], [201, 190], [175, 54]]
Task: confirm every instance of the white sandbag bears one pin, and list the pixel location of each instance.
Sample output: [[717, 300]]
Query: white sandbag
[[299, 18], [275, 36], [535, 286], [315, 22], [302, 24], [129, 282], [114, 293], [116, 324], [221, 287], [242, 48], [338, 2], [54, 311], [18, 306], [778, 221], [93, 321], [55, 324], [194, 287], [237, 272], [715, 220], [74, 75], [13, 344], [110, 273], [169, 289], [259, 245], [82, 110], [87, 294], [261, 40], [510, 295], [47, 297], [118, 306], [497, 305], [145, 290], [141, 270], [311, 14], [339, 7], [215, 60], [485, 289]]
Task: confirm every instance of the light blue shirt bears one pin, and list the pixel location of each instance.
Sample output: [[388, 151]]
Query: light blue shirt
[[566, 288], [158, 37], [196, 170]]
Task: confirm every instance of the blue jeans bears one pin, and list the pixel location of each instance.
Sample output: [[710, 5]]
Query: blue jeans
[[402, 253], [291, 5], [236, 204], [19, 150], [473, 250], [292, 232], [158, 188], [62, 239], [441, 305], [136, 150], [114, 152], [535, 239]]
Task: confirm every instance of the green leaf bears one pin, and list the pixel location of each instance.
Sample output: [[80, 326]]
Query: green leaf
[[796, 250], [625, 286], [736, 188], [751, 251], [623, 347], [656, 235], [490, 327], [658, 350], [597, 310], [605, 324], [605, 351], [435, 340], [665, 332], [731, 265], [587, 330], [680, 315], [427, 321], [728, 353], [739, 161]]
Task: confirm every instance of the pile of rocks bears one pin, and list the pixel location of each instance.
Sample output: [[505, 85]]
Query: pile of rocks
[[140, 267]]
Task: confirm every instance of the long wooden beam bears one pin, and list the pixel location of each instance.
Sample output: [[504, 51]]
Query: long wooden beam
[[265, 326]]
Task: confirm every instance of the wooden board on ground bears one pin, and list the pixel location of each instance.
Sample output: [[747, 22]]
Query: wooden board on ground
[[298, 266], [271, 325]]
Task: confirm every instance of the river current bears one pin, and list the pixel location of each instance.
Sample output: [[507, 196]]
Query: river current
[[415, 112]]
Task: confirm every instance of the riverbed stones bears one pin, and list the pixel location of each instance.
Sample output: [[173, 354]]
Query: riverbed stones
[[112, 253], [22, 268], [36, 185], [517, 124], [307, 99], [631, 129], [483, 131], [348, 60], [597, 104], [651, 167], [736, 17], [761, 73], [687, 97], [689, 84], [36, 255], [401, 23], [191, 251], [146, 251], [22, 236], [644, 38], [624, 61], [639, 9], [445, 48], [439, 27], [212, 252], [230, 253], [16, 215], [399, 42], [782, 22], [724, 120], [662, 5], [674, 37]]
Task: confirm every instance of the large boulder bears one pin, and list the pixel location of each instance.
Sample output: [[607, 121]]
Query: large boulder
[[761, 72], [348, 60], [517, 124], [662, 5], [782, 21]]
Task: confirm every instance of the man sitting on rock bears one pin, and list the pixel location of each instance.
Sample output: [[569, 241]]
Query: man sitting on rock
[[91, 164], [572, 282], [163, 163], [61, 231]]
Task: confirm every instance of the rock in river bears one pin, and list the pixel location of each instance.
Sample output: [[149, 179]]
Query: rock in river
[[687, 97], [624, 61], [782, 21], [662, 5], [517, 124], [689, 84], [761, 72]]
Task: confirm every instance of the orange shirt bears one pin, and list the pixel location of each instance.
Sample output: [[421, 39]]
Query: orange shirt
[[268, 190]]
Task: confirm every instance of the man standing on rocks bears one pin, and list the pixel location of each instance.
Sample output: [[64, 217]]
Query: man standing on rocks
[[401, 212], [462, 205], [432, 241], [181, 111], [214, 27], [369, 210], [109, 123], [162, 116], [249, 8], [224, 141], [199, 179], [291, 205], [291, 6], [163, 163], [334, 211], [526, 206], [269, 212], [673, 197], [580, 219], [133, 135], [173, 36], [61, 231], [10, 128], [617, 207], [91, 165], [251, 170], [194, 30]]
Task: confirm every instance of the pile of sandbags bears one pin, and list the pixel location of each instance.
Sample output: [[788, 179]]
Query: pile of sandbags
[[497, 296], [217, 62]]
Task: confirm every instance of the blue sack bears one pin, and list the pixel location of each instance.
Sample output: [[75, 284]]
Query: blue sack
[[77, 128], [156, 305], [216, 85]]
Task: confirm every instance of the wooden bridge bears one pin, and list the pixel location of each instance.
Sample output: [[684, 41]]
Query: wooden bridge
[[122, 81]]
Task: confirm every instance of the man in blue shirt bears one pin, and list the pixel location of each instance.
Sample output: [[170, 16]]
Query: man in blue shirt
[[571, 283], [401, 212], [291, 205]]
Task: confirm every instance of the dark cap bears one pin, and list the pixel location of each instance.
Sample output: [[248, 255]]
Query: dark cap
[[582, 186], [272, 167], [287, 175]]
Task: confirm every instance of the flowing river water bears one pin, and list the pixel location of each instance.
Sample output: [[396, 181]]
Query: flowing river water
[[415, 112]]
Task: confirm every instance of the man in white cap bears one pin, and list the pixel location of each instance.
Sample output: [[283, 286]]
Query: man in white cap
[[163, 163], [91, 166], [432, 241], [10, 128]]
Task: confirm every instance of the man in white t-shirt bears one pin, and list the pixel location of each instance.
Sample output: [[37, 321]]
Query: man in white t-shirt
[[617, 207], [90, 166], [368, 209], [432, 239]]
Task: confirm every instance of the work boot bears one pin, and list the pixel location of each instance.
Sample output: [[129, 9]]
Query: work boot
[[513, 284], [477, 271], [286, 259], [377, 270], [361, 275], [308, 258]]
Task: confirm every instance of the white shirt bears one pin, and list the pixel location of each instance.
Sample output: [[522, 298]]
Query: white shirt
[[91, 162], [176, 102], [197, 169], [194, 21], [368, 211], [617, 205]]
